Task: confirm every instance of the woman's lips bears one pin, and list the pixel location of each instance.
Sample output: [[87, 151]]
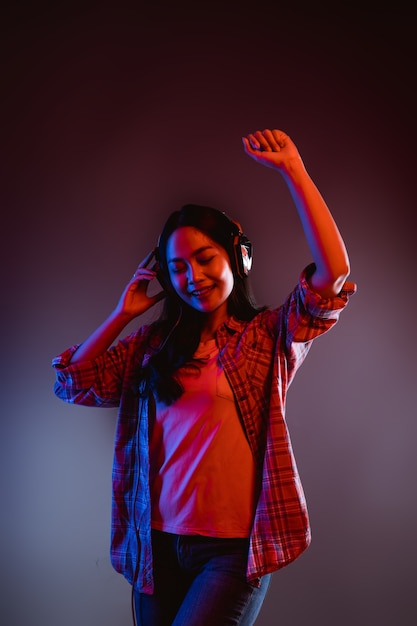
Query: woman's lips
[[201, 293]]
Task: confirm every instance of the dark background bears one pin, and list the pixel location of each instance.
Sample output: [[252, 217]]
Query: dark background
[[113, 117]]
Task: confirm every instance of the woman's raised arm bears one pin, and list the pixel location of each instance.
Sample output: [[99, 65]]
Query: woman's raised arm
[[275, 149]]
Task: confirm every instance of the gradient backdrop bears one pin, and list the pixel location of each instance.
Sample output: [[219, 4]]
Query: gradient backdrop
[[111, 119]]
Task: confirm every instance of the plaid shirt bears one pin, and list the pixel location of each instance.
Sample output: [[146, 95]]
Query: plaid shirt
[[260, 359]]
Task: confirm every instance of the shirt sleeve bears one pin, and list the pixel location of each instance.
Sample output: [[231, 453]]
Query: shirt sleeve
[[308, 314], [99, 382]]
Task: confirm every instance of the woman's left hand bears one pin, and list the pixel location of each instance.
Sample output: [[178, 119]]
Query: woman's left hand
[[272, 148]]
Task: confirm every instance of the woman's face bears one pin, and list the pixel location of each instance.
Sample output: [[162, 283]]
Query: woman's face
[[200, 270]]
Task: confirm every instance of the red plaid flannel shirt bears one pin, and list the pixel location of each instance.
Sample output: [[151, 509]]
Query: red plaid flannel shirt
[[260, 359]]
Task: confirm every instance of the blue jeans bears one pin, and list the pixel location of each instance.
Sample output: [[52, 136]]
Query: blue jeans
[[199, 581]]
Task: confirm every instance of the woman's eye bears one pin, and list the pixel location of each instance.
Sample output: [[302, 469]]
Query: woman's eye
[[205, 260]]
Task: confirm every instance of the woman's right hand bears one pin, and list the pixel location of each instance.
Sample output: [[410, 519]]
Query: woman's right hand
[[135, 299]]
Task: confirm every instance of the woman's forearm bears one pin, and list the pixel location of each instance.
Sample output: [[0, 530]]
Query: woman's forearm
[[101, 339], [323, 237]]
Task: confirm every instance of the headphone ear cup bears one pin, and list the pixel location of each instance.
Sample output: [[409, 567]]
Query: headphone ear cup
[[243, 255], [246, 255]]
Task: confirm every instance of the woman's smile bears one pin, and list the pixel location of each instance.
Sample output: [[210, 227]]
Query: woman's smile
[[203, 292]]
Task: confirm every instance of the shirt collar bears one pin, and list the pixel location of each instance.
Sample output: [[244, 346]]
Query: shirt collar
[[234, 325]]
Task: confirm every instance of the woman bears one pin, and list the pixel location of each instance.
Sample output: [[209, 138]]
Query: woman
[[207, 501]]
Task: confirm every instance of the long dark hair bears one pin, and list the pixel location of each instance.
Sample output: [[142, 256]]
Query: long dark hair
[[180, 325]]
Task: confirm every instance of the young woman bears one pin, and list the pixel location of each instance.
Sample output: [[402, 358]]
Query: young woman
[[207, 500]]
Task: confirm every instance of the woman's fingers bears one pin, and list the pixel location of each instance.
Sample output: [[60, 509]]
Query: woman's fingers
[[142, 278], [273, 137], [144, 273], [260, 142], [280, 137], [266, 140], [148, 258], [253, 142]]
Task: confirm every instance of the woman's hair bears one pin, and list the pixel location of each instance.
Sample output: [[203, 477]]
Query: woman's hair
[[179, 323]]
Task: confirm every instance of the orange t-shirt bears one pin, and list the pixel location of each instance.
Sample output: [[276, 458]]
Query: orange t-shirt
[[202, 469]]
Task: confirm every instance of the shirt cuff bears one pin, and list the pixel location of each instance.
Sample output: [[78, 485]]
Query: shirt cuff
[[63, 360]]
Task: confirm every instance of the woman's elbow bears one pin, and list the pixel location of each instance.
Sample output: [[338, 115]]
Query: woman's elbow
[[339, 278], [330, 283]]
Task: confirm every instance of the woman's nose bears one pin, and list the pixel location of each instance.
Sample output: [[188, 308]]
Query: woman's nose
[[194, 274]]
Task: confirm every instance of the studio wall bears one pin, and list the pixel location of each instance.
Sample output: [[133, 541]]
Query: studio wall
[[113, 117]]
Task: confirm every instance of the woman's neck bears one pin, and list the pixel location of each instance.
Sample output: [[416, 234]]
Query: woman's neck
[[213, 322]]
